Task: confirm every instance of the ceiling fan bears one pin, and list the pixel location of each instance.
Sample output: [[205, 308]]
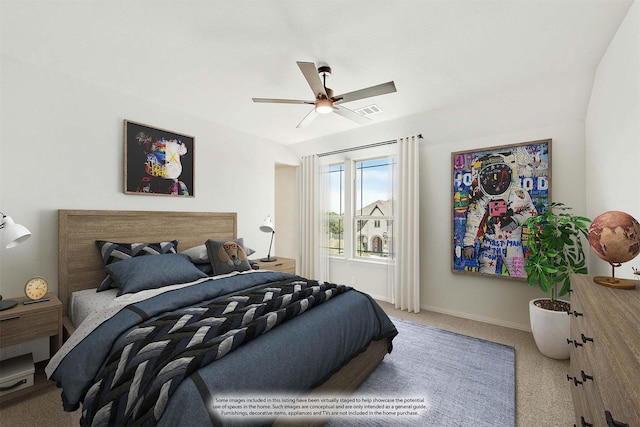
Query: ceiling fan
[[325, 102]]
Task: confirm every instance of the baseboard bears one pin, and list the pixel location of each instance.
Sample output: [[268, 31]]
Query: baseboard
[[380, 298], [483, 319], [463, 315]]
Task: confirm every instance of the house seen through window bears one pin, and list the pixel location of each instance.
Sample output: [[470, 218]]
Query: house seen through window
[[361, 217]]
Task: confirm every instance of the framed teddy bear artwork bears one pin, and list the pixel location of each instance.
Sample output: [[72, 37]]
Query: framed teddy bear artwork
[[157, 161]]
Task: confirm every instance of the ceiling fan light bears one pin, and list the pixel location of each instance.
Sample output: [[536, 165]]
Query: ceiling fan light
[[324, 106]]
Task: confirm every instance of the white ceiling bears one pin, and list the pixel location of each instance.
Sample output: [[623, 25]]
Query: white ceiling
[[210, 57]]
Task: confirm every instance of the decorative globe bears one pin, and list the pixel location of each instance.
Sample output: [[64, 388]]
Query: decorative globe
[[615, 237]]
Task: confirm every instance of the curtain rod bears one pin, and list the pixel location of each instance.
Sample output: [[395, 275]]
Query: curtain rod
[[360, 147]]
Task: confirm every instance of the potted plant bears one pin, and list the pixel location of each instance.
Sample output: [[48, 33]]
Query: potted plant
[[554, 252]]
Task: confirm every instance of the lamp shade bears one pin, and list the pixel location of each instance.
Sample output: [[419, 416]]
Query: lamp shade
[[324, 106], [14, 234], [267, 225]]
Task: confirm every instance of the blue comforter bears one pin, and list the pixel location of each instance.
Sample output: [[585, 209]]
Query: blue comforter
[[291, 358]]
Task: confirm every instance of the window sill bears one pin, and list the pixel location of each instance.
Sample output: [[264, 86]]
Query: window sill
[[379, 262]]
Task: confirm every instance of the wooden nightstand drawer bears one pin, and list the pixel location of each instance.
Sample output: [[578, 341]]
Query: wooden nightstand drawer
[[284, 265], [20, 327]]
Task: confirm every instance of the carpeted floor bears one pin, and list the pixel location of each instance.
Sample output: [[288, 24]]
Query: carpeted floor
[[464, 381], [543, 397]]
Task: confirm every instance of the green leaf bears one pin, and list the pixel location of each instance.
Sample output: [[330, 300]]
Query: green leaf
[[555, 249]]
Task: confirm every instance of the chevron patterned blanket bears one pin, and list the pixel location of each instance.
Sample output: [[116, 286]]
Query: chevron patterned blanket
[[140, 375]]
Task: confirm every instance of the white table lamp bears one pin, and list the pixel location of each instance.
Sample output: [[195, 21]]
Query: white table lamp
[[13, 235], [267, 227]]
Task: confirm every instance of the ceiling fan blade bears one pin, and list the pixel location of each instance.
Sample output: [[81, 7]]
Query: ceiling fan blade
[[307, 119], [380, 89], [351, 115], [310, 73], [283, 101]]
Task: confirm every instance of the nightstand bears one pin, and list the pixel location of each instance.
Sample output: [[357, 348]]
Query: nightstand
[[27, 322], [284, 265]]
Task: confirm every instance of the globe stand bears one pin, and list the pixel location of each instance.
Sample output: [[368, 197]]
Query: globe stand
[[613, 282]]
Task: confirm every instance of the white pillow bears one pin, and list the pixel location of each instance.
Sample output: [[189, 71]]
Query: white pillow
[[198, 254]]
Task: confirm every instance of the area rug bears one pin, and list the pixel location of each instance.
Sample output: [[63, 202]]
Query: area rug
[[447, 378]]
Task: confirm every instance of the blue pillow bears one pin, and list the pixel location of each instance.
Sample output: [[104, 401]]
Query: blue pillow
[[113, 252], [151, 272], [205, 268]]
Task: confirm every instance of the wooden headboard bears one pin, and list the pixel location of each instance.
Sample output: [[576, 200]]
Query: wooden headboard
[[79, 261]]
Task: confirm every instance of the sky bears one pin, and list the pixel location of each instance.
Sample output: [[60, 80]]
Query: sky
[[372, 177]]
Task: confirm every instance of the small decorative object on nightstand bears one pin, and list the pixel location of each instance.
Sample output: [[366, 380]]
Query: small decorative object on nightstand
[[35, 289]]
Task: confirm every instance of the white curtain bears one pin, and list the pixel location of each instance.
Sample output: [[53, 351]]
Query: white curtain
[[314, 260], [405, 270]]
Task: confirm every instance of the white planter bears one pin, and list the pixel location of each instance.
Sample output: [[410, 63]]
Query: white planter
[[550, 331]]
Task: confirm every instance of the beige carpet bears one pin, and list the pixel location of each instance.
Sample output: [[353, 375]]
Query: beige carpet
[[543, 397]]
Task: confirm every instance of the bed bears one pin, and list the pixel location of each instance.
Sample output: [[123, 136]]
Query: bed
[[281, 334]]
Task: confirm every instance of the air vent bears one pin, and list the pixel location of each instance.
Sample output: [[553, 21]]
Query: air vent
[[369, 110]]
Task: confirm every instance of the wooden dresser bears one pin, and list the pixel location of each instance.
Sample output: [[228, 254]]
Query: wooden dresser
[[604, 370]]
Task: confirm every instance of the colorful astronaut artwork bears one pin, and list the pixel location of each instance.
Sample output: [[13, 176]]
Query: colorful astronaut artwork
[[157, 162], [494, 191]]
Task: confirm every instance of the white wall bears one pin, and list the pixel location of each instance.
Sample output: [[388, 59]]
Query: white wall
[[613, 133], [287, 199], [61, 143], [551, 107], [595, 126]]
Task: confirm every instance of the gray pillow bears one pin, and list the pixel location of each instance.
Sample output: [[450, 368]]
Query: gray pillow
[[151, 272], [227, 256]]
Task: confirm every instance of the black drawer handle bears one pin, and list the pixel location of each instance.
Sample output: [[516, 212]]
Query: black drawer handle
[[584, 423], [586, 377], [10, 318], [613, 423], [575, 343], [574, 379], [575, 313], [9, 387], [585, 338]]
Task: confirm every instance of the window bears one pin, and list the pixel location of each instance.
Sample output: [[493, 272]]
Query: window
[[362, 228], [373, 215]]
